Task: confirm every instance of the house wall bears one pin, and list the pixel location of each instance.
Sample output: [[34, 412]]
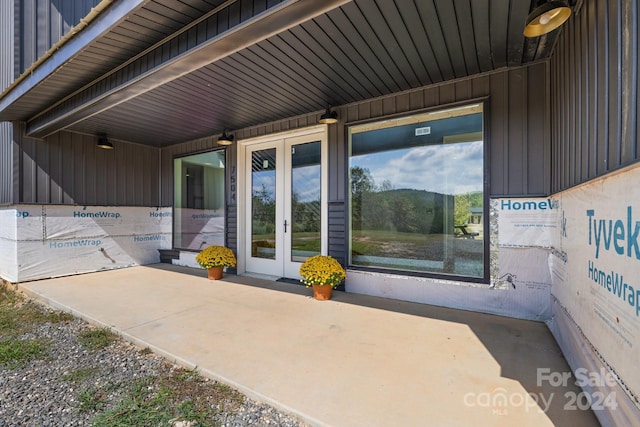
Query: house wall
[[7, 29], [6, 164], [68, 169], [518, 138], [42, 241], [594, 93], [595, 171], [78, 208], [42, 24]]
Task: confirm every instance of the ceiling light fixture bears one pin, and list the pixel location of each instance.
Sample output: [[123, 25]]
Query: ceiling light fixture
[[225, 139], [546, 17], [103, 142], [328, 117]]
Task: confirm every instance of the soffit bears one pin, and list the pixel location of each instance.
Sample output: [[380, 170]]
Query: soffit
[[360, 50]]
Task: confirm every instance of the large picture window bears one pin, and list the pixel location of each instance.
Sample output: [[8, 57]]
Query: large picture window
[[417, 193], [198, 206]]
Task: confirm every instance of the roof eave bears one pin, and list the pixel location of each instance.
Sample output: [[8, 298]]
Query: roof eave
[[104, 16]]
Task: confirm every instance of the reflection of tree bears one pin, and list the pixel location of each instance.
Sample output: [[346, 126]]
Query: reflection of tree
[[463, 204], [380, 208], [306, 215], [264, 210], [404, 214], [361, 184], [384, 208]]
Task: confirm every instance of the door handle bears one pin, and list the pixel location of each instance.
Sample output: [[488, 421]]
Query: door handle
[[285, 225]]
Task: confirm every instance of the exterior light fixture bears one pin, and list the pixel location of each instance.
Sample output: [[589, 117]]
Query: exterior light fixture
[[225, 139], [546, 17], [103, 142], [328, 117]]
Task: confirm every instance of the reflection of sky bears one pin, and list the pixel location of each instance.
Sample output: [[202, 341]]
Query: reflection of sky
[[447, 169], [306, 183], [266, 178]]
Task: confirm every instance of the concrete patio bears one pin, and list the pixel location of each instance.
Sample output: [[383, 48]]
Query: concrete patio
[[352, 361]]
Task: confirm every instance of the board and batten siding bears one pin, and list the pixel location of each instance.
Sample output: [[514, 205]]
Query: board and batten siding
[[43, 23], [518, 121], [594, 93], [68, 168], [6, 163], [7, 29]]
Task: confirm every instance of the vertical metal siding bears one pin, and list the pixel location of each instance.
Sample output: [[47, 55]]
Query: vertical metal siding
[[6, 163], [68, 168], [518, 123], [7, 29], [43, 23], [594, 93], [518, 142]]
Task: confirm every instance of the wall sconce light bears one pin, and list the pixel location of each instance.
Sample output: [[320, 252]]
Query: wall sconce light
[[225, 139], [103, 142], [328, 117], [546, 17]]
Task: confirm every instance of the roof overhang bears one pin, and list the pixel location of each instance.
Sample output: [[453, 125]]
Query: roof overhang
[[295, 57]]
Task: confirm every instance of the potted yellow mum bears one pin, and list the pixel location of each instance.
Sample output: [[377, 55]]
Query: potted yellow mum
[[214, 259], [323, 273]]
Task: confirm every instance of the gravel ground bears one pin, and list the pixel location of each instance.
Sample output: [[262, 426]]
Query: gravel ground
[[46, 393]]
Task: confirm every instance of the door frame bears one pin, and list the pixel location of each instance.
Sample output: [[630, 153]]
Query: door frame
[[243, 187]]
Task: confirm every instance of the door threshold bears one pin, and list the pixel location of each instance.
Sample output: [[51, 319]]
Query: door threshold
[[262, 276]]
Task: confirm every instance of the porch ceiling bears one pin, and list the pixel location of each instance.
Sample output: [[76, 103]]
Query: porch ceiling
[[349, 52]]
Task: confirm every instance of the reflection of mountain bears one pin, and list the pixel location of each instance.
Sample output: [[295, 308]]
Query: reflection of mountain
[[413, 211]]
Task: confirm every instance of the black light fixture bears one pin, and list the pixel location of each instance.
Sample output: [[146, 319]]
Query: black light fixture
[[328, 117], [546, 17], [103, 142], [225, 139]]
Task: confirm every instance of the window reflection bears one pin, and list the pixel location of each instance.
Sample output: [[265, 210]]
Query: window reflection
[[199, 182], [417, 193], [305, 201], [263, 204]]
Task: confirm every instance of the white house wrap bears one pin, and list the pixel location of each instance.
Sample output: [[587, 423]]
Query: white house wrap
[[50, 241]]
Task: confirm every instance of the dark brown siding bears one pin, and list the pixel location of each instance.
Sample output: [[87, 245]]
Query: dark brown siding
[[594, 93], [68, 168], [518, 141]]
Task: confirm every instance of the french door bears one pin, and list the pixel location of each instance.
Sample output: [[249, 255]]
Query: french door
[[285, 203]]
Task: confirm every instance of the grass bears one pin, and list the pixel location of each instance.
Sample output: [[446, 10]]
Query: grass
[[17, 318], [177, 394], [91, 400], [15, 353], [95, 339]]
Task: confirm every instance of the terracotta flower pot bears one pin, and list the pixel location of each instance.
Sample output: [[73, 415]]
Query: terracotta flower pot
[[322, 292], [214, 273]]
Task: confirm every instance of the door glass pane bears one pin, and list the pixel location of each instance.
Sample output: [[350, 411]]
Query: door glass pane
[[263, 204], [305, 201], [198, 200]]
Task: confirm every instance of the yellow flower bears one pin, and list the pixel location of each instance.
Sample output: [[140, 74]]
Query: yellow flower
[[322, 270], [216, 256]]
